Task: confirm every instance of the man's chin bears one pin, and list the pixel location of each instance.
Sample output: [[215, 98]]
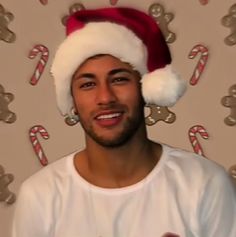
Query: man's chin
[[118, 136], [113, 142]]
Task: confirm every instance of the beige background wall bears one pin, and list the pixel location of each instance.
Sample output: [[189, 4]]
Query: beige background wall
[[35, 23]]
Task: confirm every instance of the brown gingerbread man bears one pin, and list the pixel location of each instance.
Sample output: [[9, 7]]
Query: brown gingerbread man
[[230, 22], [74, 8], [113, 2], [5, 194], [5, 18], [170, 235], [232, 171], [44, 2], [163, 19], [5, 114], [230, 102], [159, 113]]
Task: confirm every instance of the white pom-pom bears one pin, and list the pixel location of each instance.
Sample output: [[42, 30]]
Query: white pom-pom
[[162, 87]]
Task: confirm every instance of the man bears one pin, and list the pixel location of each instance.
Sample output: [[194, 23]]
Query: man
[[122, 184]]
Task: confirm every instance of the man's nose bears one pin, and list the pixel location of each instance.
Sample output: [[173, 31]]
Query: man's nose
[[105, 95]]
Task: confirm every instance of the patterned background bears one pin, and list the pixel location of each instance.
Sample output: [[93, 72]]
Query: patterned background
[[29, 35]]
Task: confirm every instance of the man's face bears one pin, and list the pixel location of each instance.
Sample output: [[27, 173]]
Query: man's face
[[108, 100]]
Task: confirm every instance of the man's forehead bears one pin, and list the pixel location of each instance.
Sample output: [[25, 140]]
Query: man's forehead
[[104, 61], [110, 73], [99, 56]]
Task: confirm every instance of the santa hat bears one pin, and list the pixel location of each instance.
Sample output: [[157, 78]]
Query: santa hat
[[125, 33]]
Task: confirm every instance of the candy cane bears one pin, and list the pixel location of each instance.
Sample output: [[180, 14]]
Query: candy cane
[[113, 2], [193, 138], [44, 2], [35, 142], [204, 2], [42, 62], [201, 63]]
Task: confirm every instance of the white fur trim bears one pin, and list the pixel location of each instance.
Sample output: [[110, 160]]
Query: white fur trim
[[162, 87], [94, 38]]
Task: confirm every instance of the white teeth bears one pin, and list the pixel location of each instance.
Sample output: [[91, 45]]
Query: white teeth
[[108, 116]]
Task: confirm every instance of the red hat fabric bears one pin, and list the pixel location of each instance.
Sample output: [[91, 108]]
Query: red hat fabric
[[128, 34], [140, 23]]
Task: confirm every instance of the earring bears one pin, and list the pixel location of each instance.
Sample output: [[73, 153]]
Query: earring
[[72, 119]]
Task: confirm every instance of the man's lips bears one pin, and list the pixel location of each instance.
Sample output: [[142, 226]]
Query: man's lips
[[108, 113], [109, 118]]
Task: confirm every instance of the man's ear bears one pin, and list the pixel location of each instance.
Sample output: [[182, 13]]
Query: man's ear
[[73, 118]]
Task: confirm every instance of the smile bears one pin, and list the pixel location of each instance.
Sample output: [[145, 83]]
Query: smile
[[109, 119], [108, 116]]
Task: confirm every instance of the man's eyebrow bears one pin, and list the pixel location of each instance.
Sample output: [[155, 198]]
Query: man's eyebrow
[[84, 75], [111, 73], [118, 70]]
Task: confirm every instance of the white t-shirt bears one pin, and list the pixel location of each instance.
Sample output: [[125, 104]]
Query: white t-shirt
[[184, 194]]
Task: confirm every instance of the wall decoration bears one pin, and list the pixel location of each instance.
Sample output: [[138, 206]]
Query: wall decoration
[[5, 114], [170, 235], [5, 18], [36, 144], [193, 131], [230, 102], [163, 19], [44, 2], [74, 8], [230, 22], [113, 2], [41, 64], [5, 194], [203, 51], [232, 171], [159, 113], [204, 2]]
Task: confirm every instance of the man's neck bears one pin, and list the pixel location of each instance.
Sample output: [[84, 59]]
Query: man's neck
[[120, 166]]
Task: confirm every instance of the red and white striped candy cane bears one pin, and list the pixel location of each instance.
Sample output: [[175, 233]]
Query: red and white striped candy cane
[[44, 2], [113, 2], [201, 63], [35, 142], [42, 62], [193, 138], [204, 2]]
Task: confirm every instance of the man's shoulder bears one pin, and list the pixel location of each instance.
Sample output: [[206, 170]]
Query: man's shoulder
[[191, 164], [50, 173]]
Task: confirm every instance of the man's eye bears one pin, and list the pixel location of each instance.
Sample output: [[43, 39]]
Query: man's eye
[[120, 80], [87, 85]]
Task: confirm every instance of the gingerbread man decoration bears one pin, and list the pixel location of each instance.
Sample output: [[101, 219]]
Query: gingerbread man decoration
[[204, 2], [232, 172], [170, 235], [5, 194], [5, 114], [44, 2], [5, 18], [74, 8], [230, 102], [230, 22], [113, 2], [159, 113], [163, 19]]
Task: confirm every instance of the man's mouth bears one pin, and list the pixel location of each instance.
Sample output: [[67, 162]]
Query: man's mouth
[[108, 116], [108, 119]]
